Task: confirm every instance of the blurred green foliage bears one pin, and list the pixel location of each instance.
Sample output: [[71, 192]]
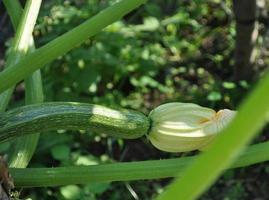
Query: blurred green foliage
[[164, 51]]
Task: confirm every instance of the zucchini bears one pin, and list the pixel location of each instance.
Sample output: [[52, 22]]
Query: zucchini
[[44, 117]]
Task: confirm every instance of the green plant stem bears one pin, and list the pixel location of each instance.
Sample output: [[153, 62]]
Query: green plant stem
[[44, 117], [251, 117], [65, 43], [24, 148], [21, 41], [142, 170], [13, 8]]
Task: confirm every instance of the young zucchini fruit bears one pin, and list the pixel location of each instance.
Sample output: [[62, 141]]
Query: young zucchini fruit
[[44, 117]]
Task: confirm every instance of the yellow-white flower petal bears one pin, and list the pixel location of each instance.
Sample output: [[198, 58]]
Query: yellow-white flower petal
[[180, 127]]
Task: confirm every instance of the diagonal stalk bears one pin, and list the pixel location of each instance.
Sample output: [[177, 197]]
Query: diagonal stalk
[[251, 117], [25, 146], [65, 43], [19, 48]]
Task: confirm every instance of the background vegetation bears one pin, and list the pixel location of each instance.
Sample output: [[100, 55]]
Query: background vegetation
[[164, 51]]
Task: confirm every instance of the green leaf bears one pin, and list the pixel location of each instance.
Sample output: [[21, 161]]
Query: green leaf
[[228, 85], [70, 192], [86, 160], [97, 188], [60, 152], [214, 96]]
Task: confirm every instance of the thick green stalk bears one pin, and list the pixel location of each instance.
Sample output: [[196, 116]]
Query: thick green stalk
[[65, 43], [72, 116], [14, 9], [142, 170], [21, 43], [24, 147], [251, 117]]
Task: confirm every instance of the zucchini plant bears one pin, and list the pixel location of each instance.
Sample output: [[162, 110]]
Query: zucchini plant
[[24, 63]]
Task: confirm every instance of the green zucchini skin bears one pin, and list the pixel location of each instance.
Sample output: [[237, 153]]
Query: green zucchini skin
[[44, 117]]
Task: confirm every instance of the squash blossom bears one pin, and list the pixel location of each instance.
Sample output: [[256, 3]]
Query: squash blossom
[[181, 127]]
